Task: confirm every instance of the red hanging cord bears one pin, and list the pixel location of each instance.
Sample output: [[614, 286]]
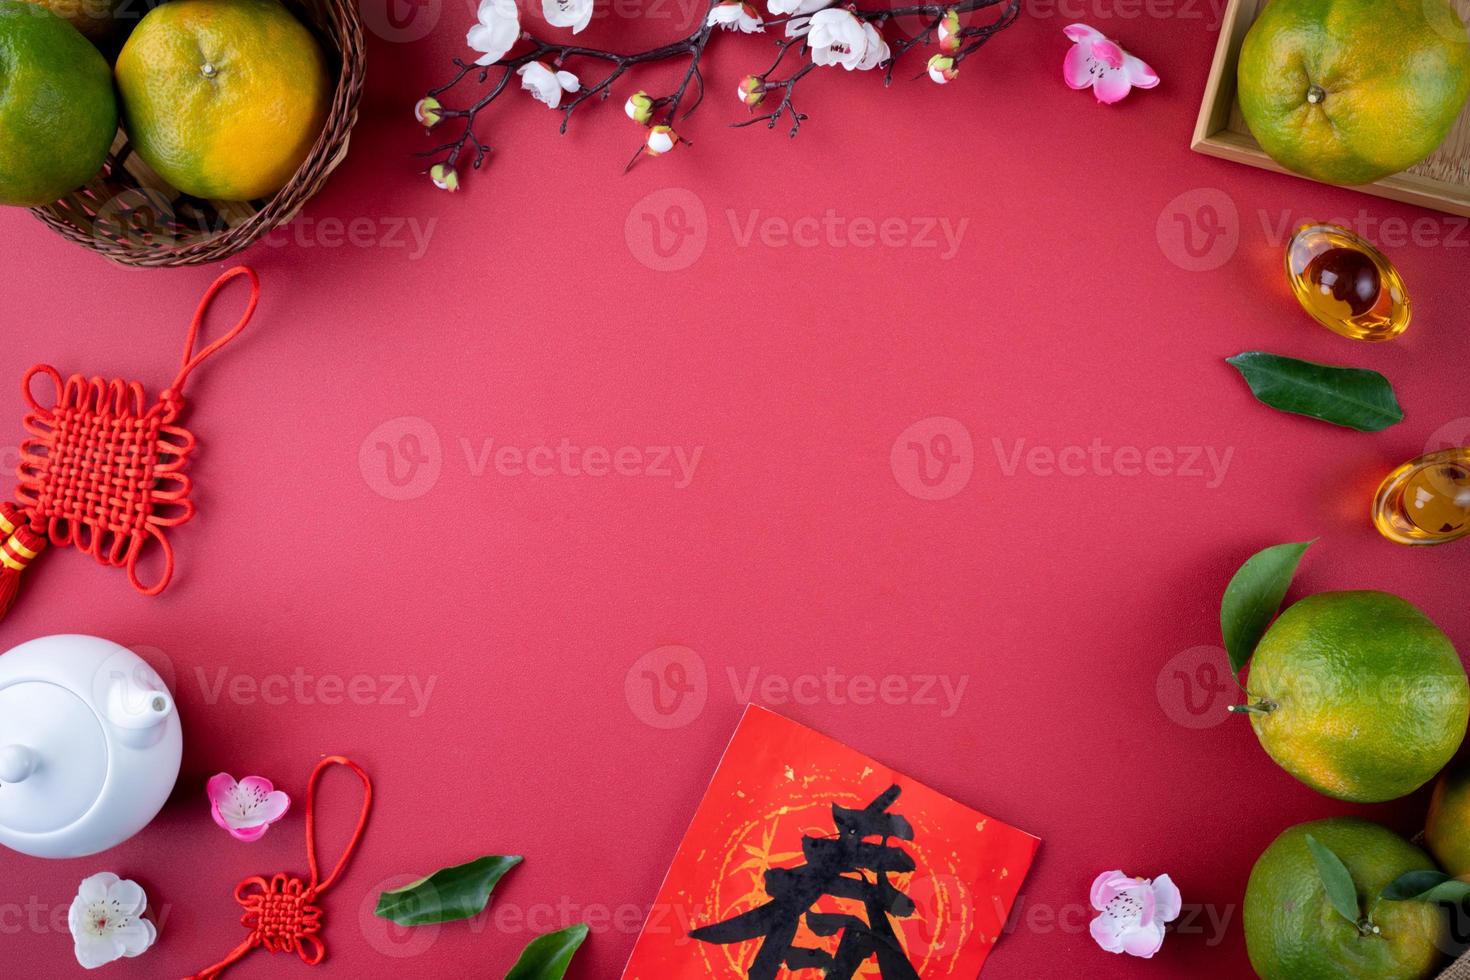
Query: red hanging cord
[[101, 470], [281, 913], [175, 391]]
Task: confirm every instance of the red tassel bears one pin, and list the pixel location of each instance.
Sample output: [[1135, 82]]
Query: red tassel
[[22, 546]]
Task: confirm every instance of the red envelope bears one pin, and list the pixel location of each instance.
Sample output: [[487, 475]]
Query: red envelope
[[807, 859]]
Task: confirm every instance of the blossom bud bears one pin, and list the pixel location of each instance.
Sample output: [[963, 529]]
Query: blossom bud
[[444, 177], [661, 139], [427, 112], [949, 32], [752, 90], [942, 69], [639, 108]]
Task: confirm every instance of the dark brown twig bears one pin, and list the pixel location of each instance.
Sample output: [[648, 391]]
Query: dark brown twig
[[496, 78]]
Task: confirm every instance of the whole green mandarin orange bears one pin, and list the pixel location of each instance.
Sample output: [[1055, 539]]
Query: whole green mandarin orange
[[1293, 931], [1358, 695], [1350, 91], [1448, 830], [58, 113]]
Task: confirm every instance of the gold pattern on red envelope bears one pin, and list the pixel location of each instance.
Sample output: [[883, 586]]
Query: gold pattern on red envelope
[[808, 859]]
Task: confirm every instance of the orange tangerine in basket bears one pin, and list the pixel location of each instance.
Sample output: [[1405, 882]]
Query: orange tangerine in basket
[[223, 98]]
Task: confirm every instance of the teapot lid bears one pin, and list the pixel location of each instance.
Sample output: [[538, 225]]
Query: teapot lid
[[53, 757]]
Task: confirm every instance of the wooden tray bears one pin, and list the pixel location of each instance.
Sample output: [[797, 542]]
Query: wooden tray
[[1441, 182]]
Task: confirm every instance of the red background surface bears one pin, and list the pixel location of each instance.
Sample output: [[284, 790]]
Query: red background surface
[[1064, 317]]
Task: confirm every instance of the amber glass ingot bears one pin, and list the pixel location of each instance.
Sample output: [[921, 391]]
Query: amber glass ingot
[[1427, 500], [1346, 284]]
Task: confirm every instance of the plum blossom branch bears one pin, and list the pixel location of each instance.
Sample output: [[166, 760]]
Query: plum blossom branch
[[566, 76]]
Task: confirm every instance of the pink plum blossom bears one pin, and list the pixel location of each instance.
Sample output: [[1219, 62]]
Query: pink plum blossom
[[1132, 912], [1102, 65], [247, 808]]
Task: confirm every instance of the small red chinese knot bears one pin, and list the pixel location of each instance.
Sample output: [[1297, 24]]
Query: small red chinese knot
[[280, 916], [281, 912]]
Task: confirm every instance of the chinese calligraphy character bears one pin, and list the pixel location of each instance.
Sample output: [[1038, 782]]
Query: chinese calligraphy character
[[847, 866]]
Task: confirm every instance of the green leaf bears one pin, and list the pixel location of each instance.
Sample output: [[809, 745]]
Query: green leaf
[[1427, 886], [1352, 397], [547, 957], [1253, 597], [1341, 891], [447, 895]]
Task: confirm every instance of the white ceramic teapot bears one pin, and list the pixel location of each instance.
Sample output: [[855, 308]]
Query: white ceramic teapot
[[90, 745]]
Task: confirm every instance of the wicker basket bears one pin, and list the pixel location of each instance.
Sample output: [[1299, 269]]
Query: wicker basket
[[132, 216]]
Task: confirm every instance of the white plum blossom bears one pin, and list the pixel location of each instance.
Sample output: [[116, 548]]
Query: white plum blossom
[[498, 28], [798, 11], [876, 51], [733, 15], [575, 14], [783, 8], [545, 83], [839, 38], [106, 920]]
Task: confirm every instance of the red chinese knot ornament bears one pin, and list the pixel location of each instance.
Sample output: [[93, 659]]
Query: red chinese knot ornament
[[101, 470], [281, 912]]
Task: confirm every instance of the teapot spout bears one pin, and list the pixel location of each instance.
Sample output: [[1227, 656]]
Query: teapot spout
[[133, 707]]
